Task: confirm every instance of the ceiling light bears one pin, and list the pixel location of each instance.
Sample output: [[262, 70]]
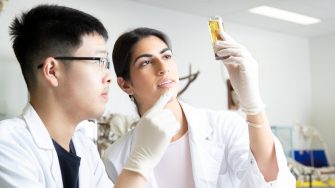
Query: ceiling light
[[284, 15]]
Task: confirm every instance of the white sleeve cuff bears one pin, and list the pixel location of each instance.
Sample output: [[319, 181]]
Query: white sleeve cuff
[[256, 179]]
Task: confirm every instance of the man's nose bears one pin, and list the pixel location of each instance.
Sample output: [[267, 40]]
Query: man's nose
[[108, 76]]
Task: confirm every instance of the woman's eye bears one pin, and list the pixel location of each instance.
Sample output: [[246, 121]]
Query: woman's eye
[[167, 56], [144, 63]]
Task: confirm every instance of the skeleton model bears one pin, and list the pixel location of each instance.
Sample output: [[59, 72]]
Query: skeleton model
[[112, 127]]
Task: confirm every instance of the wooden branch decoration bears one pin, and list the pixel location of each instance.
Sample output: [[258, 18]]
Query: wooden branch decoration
[[190, 78]]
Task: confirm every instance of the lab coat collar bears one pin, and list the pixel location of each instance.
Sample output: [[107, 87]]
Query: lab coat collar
[[198, 125], [38, 131], [43, 140], [202, 132]]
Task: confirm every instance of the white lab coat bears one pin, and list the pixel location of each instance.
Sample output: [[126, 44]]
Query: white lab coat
[[28, 157], [220, 153]]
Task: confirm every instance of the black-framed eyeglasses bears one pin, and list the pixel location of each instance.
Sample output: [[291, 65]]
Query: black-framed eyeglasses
[[102, 61]]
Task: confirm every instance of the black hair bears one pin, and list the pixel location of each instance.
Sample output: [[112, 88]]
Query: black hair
[[49, 31], [123, 48]]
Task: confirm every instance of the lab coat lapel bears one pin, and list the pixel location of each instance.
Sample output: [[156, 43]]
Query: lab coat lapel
[[55, 169], [85, 168], [206, 155], [43, 140]]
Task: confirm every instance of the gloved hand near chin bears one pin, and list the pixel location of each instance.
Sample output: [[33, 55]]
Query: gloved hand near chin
[[152, 136], [243, 73]]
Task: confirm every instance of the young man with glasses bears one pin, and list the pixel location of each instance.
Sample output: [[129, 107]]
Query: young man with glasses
[[63, 57]]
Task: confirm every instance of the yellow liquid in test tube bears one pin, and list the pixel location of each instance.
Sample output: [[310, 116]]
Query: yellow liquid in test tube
[[214, 29]]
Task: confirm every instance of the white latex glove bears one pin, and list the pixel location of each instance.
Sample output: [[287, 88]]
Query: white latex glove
[[152, 136], [243, 73]]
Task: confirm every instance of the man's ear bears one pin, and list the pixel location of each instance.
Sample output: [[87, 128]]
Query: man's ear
[[125, 85], [51, 70]]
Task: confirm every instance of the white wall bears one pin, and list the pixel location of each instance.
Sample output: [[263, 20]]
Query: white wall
[[284, 61], [323, 87], [13, 92]]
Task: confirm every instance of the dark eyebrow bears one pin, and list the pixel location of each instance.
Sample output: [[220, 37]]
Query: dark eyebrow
[[143, 55], [149, 55], [164, 50]]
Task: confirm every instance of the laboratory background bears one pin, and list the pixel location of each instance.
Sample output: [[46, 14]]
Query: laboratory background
[[296, 60]]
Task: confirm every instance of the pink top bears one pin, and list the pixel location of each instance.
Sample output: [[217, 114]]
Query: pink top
[[175, 168]]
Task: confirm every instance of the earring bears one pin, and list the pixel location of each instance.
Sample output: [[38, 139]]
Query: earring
[[132, 98]]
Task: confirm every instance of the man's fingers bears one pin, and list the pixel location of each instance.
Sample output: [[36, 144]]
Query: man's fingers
[[161, 102]]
